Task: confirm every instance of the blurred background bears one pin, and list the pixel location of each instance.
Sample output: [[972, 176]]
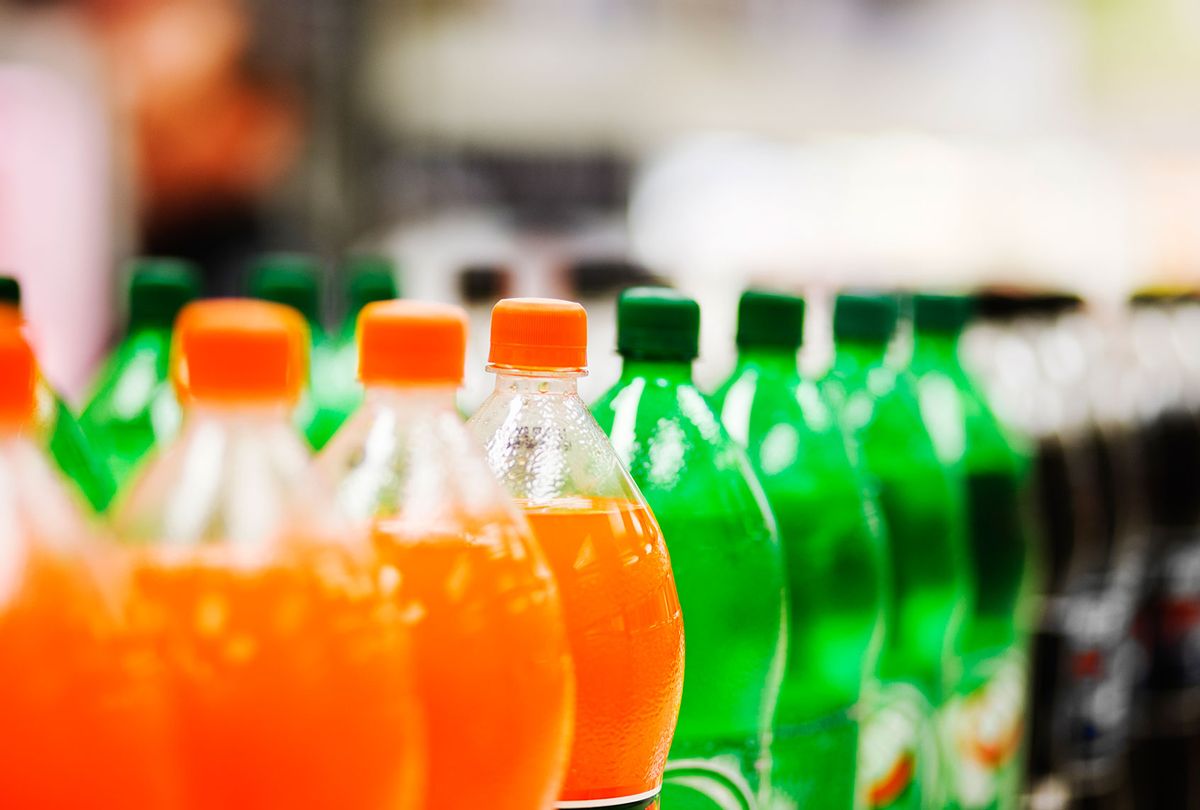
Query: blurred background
[[559, 146]]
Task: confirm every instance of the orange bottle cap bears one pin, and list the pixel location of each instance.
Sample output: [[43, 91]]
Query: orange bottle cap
[[18, 370], [539, 333], [414, 342], [240, 350]]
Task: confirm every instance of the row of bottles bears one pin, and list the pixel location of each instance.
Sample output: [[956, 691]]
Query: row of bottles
[[438, 615], [133, 406], [1111, 399], [880, 508]]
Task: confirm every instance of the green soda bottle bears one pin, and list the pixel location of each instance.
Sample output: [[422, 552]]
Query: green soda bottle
[[369, 278], [983, 730], [133, 407], [728, 563], [294, 279], [834, 547], [59, 432], [921, 502]]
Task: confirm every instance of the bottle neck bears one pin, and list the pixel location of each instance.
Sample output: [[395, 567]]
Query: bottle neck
[[521, 382], [936, 350], [673, 370], [148, 329], [775, 359], [426, 397], [243, 411], [860, 354]]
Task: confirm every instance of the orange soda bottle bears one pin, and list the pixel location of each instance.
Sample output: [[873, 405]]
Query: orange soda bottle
[[490, 648], [82, 716], [286, 662], [603, 544]]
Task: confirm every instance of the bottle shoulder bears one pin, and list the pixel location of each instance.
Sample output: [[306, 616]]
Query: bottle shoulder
[[416, 465], [35, 501], [547, 446], [671, 439], [238, 483]]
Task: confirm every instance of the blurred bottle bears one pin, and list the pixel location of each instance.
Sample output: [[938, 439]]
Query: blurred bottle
[[984, 727], [490, 647], [595, 282], [58, 430], [338, 394], [921, 505], [294, 279], [834, 548], [133, 408], [724, 551], [480, 286], [1090, 360], [287, 661], [1166, 742], [1040, 375], [82, 715], [604, 546]]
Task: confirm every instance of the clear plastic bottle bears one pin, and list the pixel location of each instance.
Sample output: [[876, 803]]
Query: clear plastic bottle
[[490, 647], [82, 712], [285, 655], [59, 432], [603, 544]]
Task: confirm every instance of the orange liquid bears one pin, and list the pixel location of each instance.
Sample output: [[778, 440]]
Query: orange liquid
[[289, 685], [626, 636], [492, 663], [82, 719]]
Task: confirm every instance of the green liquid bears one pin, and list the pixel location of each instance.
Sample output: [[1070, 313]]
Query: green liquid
[[834, 553], [983, 723], [922, 505]]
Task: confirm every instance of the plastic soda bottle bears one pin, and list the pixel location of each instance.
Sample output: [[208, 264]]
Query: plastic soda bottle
[[724, 551], [490, 647], [286, 657], [133, 407], [58, 430], [604, 546], [369, 278], [294, 279], [927, 582], [81, 712], [834, 546], [985, 725]]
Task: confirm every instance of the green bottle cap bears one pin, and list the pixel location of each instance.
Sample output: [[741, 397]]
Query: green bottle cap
[[10, 291], [657, 323], [159, 288], [865, 316], [767, 319], [941, 313], [289, 278], [371, 278]]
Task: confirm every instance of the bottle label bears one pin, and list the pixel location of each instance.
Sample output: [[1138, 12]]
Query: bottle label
[[642, 801], [1102, 664], [982, 731], [898, 753], [713, 783], [1170, 631]]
